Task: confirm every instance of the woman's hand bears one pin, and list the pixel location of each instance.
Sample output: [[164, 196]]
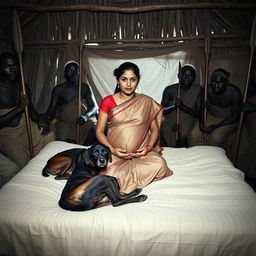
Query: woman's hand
[[121, 153], [141, 152]]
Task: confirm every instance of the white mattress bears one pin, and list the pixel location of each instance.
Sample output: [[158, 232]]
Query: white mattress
[[205, 208]]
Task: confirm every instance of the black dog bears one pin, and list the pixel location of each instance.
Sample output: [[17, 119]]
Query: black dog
[[86, 188], [63, 164]]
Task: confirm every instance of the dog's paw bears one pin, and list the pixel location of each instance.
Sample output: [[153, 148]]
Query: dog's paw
[[142, 198], [137, 191]]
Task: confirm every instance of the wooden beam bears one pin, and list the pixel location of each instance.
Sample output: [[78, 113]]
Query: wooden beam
[[140, 43], [117, 41], [136, 9], [33, 16], [141, 46]]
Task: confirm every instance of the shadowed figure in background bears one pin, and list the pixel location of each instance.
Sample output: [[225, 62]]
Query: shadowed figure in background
[[246, 158], [63, 107], [186, 104], [223, 108], [13, 131]]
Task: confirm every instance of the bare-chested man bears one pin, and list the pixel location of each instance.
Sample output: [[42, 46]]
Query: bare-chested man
[[13, 133], [186, 104], [63, 107], [223, 106]]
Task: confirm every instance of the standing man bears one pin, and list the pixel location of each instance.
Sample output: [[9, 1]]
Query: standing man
[[13, 135], [189, 93], [223, 107], [63, 107]]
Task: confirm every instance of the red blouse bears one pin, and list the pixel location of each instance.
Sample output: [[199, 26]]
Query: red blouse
[[107, 104]]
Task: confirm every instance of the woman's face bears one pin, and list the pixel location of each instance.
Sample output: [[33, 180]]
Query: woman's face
[[128, 82]]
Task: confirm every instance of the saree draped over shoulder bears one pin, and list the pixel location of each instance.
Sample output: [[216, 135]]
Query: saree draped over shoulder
[[128, 128]]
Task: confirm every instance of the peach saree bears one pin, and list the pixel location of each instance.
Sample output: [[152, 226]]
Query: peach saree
[[128, 128]]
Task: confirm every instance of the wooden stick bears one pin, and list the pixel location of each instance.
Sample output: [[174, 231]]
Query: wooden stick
[[206, 95], [79, 93], [178, 109], [240, 124], [134, 42], [207, 49], [18, 44], [136, 9]]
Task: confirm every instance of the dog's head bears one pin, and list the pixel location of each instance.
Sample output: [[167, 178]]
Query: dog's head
[[98, 154]]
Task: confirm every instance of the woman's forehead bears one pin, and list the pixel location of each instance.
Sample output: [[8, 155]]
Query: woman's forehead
[[129, 73]]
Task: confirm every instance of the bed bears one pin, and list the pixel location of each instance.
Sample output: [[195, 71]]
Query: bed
[[205, 208]]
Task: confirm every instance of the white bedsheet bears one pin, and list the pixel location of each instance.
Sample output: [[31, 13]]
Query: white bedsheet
[[205, 208]]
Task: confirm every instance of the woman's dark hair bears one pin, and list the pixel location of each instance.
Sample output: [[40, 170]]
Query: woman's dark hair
[[123, 67]]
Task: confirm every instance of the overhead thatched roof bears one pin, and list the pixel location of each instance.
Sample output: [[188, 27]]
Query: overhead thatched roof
[[52, 30], [135, 22]]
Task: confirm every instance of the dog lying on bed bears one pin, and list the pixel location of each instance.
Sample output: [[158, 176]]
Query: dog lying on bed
[[86, 187]]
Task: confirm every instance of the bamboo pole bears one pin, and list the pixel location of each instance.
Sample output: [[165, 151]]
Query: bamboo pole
[[136, 9], [79, 93], [18, 44], [178, 108], [207, 49], [137, 46], [240, 124], [135, 41]]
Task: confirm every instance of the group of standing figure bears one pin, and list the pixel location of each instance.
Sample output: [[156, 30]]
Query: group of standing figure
[[223, 106], [15, 151], [130, 124]]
